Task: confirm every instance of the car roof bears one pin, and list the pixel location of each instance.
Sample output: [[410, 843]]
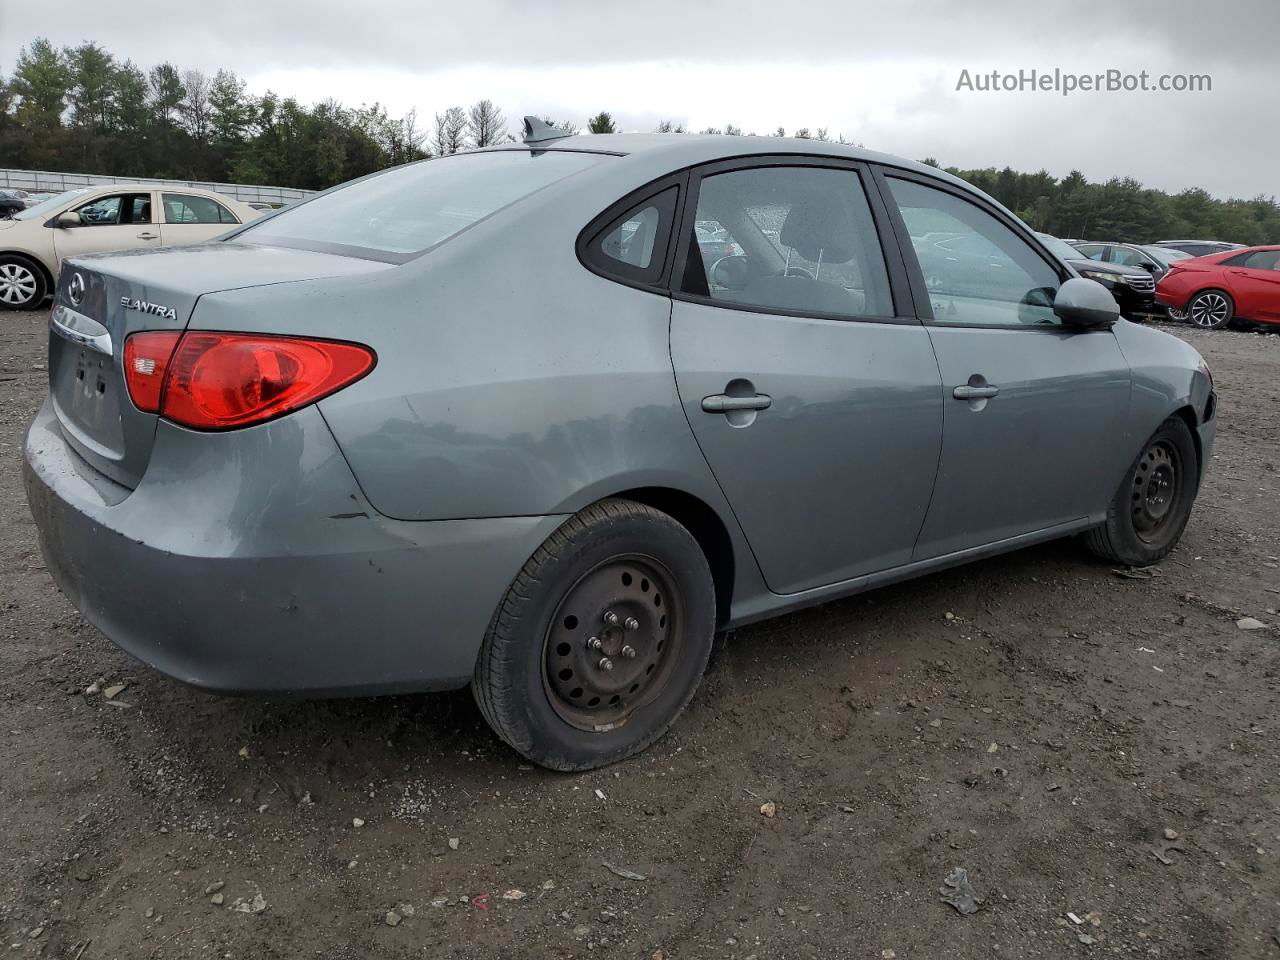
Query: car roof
[[679, 150]]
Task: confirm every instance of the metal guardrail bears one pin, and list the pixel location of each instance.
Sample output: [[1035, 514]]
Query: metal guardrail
[[46, 181]]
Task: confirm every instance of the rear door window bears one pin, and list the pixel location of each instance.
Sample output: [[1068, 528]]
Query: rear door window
[[1259, 260], [189, 208], [789, 240], [403, 212]]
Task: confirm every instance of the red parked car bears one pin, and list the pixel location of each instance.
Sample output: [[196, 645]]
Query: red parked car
[[1233, 285]]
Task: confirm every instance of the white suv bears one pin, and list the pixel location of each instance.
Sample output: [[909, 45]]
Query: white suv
[[35, 241]]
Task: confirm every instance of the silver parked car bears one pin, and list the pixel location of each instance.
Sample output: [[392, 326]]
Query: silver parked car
[[493, 420]]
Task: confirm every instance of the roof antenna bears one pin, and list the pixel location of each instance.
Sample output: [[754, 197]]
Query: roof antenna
[[538, 131]]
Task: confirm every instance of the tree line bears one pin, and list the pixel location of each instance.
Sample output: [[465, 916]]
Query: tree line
[[80, 109]]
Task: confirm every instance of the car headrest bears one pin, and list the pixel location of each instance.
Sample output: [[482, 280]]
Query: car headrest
[[816, 224]]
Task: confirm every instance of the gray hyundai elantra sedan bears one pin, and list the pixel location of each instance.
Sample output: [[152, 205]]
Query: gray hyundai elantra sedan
[[500, 420]]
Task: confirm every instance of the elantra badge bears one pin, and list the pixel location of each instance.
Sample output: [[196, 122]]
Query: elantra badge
[[144, 306]]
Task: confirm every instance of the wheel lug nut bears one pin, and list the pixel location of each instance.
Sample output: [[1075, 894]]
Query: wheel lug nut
[[611, 618], [629, 652], [606, 663], [594, 643], [632, 623]]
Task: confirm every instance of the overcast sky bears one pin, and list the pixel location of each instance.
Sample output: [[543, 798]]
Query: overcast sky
[[882, 74]]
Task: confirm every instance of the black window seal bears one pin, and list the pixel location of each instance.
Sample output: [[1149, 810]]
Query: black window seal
[[899, 290], [883, 172], [654, 278]]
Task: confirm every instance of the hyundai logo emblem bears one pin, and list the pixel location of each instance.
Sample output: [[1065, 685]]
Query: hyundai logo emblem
[[75, 290]]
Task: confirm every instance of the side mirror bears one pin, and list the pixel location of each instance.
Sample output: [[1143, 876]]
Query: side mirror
[[68, 219], [1148, 266], [1085, 304]]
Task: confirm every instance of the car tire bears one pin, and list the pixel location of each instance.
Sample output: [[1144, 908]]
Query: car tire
[[1211, 309], [22, 283], [1151, 509], [601, 640]]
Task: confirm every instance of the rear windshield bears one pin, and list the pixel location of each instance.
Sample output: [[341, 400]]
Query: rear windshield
[[399, 214]]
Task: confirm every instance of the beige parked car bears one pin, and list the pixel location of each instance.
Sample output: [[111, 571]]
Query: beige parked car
[[35, 241]]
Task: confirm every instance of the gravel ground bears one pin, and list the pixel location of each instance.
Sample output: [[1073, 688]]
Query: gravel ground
[[1099, 753]]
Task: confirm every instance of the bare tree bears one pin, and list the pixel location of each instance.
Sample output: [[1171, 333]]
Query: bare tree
[[803, 134], [571, 128], [449, 134], [732, 131], [822, 135], [780, 132], [195, 112], [667, 126], [486, 123], [714, 131]]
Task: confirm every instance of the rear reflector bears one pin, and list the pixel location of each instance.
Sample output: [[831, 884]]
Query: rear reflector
[[219, 381]]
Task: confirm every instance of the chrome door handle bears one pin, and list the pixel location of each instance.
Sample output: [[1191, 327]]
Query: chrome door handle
[[722, 403], [975, 393], [148, 236]]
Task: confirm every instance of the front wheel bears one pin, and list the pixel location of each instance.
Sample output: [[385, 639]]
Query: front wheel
[[601, 640], [1151, 509], [22, 285]]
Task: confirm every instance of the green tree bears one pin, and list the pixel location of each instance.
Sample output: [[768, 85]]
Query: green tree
[[165, 92], [41, 83], [602, 122], [94, 79]]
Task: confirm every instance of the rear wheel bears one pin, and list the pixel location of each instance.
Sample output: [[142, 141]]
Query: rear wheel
[[1151, 509], [601, 640], [22, 283], [1211, 309]]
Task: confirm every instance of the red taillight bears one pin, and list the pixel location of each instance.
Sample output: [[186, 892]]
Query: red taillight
[[146, 360], [217, 381]]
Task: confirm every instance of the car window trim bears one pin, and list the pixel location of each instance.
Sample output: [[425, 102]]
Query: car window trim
[[899, 290], [882, 173], [656, 277]]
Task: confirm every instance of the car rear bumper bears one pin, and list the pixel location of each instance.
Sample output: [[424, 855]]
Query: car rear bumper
[[250, 562]]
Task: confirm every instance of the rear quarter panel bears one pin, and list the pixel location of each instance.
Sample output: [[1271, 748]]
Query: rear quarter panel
[[511, 381]]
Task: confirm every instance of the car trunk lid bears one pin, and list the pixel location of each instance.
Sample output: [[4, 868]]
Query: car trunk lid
[[102, 300]]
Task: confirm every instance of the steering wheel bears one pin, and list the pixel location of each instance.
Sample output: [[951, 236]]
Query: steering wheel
[[798, 272], [735, 274]]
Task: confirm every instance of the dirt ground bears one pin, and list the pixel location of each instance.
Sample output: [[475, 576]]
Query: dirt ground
[[1100, 754]]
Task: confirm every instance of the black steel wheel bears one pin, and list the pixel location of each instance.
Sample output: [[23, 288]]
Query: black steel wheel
[[611, 645], [601, 640], [1152, 506], [1156, 483]]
